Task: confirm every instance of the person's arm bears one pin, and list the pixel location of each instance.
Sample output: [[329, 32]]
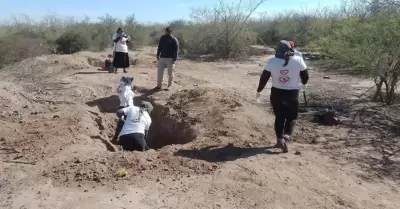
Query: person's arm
[[116, 38], [122, 112], [175, 48], [263, 80], [159, 46], [303, 72]]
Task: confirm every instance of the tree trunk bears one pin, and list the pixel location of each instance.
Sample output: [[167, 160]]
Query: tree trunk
[[378, 91]]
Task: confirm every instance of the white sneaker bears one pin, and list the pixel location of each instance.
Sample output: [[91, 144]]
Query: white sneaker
[[286, 137]]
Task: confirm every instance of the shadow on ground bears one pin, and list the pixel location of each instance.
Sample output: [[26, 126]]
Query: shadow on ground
[[90, 72], [223, 154], [106, 105]]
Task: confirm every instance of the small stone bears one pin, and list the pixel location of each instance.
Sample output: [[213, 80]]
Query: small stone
[[318, 140], [158, 179], [297, 152], [56, 116], [326, 77], [85, 190]]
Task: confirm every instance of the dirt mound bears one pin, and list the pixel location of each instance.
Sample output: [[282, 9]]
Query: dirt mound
[[202, 117], [190, 120]]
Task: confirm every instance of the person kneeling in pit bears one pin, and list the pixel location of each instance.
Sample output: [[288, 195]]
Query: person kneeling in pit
[[136, 126]]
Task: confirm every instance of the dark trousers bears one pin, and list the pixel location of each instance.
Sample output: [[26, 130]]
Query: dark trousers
[[133, 142], [286, 109]]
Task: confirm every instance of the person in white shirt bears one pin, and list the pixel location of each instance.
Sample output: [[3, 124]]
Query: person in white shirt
[[121, 56], [125, 92], [126, 95], [287, 72], [137, 124], [296, 53]]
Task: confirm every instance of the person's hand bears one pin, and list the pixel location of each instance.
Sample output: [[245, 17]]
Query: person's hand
[[258, 96]]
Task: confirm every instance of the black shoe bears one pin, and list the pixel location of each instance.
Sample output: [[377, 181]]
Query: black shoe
[[157, 88]]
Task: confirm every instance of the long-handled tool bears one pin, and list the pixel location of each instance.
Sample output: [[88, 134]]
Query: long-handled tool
[[304, 109]]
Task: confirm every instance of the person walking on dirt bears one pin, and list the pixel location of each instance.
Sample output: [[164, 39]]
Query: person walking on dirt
[[167, 53], [287, 72], [121, 56], [136, 126], [126, 96]]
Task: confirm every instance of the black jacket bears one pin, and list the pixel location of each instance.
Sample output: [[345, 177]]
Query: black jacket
[[168, 47]]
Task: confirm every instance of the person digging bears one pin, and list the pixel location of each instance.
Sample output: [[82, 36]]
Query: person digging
[[126, 95], [137, 122], [287, 72]]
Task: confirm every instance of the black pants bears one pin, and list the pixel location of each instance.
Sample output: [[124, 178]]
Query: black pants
[[286, 109], [133, 142]]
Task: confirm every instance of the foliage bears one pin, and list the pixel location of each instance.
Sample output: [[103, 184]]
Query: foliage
[[361, 33], [71, 42]]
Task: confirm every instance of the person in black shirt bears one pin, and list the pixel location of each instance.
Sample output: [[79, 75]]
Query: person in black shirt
[[167, 53]]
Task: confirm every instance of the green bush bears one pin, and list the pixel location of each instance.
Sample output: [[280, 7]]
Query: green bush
[[20, 46], [71, 42]]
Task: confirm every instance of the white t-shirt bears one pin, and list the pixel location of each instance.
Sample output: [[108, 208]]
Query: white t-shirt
[[287, 77], [297, 53], [120, 46], [134, 124], [125, 95]]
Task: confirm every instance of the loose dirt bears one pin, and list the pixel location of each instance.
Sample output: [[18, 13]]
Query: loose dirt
[[211, 142]]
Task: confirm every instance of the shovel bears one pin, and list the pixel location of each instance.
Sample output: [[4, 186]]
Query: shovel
[[303, 110]]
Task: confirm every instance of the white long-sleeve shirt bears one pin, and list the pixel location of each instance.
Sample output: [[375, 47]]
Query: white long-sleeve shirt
[[125, 95], [121, 45]]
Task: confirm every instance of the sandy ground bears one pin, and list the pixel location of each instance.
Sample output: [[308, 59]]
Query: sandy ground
[[58, 113]]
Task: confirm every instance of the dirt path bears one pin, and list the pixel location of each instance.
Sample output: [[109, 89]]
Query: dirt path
[[57, 112]]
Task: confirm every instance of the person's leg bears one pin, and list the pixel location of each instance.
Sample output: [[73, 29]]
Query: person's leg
[[160, 72], [140, 141], [277, 105], [130, 143], [126, 61], [292, 112], [279, 114], [117, 61], [170, 72]]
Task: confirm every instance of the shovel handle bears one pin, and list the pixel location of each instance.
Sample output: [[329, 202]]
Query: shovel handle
[[305, 98]]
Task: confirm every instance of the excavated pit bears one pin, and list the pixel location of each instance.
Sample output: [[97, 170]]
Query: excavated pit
[[167, 130]]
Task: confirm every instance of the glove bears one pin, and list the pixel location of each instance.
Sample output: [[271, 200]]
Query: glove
[[258, 96]]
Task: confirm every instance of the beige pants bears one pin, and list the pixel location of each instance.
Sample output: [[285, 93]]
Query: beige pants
[[162, 64]]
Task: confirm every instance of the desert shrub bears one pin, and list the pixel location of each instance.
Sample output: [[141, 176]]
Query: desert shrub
[[222, 31], [72, 42], [20, 46], [371, 43]]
